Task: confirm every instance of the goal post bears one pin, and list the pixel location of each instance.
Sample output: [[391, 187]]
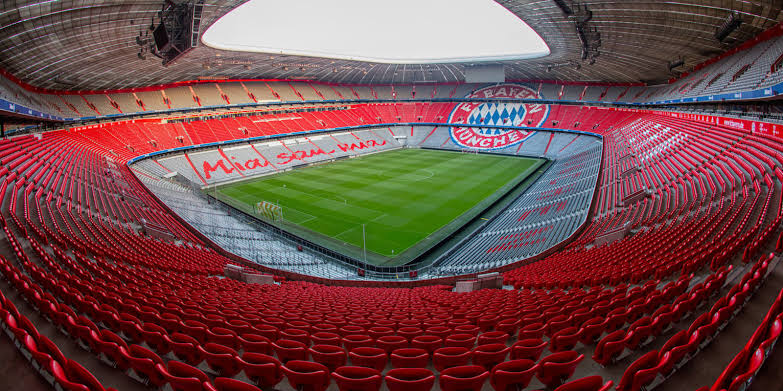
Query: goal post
[[269, 210]]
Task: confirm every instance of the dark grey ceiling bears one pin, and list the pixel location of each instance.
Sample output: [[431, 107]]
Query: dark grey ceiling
[[90, 44]]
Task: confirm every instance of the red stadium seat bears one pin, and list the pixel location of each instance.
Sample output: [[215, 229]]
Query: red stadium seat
[[450, 357], [640, 332], [556, 368], [512, 375], [439, 331], [590, 383], [662, 319], [430, 343], [296, 335], [391, 342], [409, 332], [369, 357], [460, 340], [74, 377], [40, 357], [255, 343], [228, 384], [492, 337], [641, 372], [490, 355], [508, 326], [532, 331], [609, 347], [261, 369], [376, 332], [409, 379], [143, 362], [325, 338], [351, 329], [464, 378], [306, 375], [645, 376], [183, 377], [109, 344], [352, 341], [357, 379], [564, 339], [409, 358], [591, 330], [194, 329], [530, 349], [46, 345], [748, 372], [186, 348], [616, 319], [329, 355], [266, 330], [221, 359], [556, 324], [129, 325], [288, 350]]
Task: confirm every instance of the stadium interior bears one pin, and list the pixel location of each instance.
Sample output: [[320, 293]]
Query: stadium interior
[[180, 217]]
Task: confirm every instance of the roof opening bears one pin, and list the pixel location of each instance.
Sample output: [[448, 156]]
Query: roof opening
[[394, 32]]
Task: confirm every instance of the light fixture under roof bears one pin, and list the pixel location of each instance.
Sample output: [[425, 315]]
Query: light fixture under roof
[[394, 32]]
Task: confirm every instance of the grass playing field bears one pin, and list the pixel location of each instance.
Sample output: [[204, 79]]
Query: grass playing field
[[400, 196]]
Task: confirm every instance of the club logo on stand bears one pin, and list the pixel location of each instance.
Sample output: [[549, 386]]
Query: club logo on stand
[[474, 122]]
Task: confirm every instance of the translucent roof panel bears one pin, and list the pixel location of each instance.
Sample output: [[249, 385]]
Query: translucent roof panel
[[393, 32]]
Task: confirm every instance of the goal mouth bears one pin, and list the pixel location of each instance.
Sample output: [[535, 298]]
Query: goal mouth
[[269, 211]]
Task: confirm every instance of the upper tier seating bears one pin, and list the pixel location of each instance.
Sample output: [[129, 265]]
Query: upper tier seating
[[750, 69], [755, 68]]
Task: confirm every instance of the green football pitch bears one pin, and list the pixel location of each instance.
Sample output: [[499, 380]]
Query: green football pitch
[[388, 201]]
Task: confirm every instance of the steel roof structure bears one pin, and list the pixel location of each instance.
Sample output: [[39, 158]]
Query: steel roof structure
[[90, 44]]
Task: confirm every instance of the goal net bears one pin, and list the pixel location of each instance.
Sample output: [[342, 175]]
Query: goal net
[[269, 210]]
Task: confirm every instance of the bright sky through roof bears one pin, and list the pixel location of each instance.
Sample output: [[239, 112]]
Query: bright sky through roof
[[385, 31]]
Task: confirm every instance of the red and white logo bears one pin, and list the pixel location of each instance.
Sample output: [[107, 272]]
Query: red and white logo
[[471, 115]]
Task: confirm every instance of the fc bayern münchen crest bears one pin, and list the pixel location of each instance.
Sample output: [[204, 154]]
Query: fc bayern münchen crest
[[469, 115]]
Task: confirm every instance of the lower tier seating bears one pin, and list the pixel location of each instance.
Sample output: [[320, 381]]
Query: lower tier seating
[[672, 250]]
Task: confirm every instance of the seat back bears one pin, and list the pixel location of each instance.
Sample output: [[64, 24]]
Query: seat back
[[512, 375], [357, 379], [228, 384], [410, 379], [306, 375], [463, 378]]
